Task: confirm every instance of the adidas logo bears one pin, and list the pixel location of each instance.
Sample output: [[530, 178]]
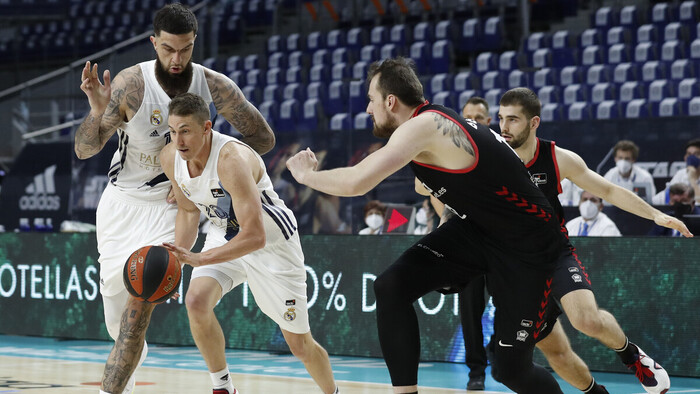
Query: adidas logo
[[40, 195], [154, 133]]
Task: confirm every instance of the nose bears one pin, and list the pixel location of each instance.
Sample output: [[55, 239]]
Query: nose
[[368, 110], [176, 58]]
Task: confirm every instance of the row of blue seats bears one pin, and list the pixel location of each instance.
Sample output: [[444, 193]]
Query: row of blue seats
[[632, 16]]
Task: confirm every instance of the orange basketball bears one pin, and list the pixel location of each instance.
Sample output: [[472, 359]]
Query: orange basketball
[[152, 274]]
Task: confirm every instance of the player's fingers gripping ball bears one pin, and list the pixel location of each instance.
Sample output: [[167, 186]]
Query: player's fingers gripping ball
[[152, 274]]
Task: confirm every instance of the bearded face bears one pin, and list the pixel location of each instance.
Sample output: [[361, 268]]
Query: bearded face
[[173, 83]]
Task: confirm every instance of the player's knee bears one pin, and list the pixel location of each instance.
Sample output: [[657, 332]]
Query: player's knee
[[557, 355], [386, 286], [197, 304], [589, 322], [300, 346]]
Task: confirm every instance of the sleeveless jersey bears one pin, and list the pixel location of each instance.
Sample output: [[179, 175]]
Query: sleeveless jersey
[[496, 195], [545, 173], [135, 166], [207, 193]]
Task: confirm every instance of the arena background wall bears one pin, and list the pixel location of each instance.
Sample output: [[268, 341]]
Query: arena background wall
[[49, 287]]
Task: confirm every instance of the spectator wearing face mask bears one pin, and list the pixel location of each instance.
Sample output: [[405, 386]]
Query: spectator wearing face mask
[[592, 222], [682, 200], [629, 175], [688, 175], [425, 218], [374, 218]]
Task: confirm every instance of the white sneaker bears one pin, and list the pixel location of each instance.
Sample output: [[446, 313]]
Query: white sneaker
[[651, 375]]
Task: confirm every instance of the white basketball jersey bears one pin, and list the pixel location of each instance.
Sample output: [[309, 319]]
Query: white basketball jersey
[[135, 166], [207, 193]]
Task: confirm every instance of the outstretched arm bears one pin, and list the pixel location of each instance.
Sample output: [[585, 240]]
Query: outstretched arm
[[573, 167], [232, 105], [187, 218]]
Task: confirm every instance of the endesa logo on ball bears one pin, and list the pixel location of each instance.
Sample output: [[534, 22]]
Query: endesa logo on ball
[[40, 195]]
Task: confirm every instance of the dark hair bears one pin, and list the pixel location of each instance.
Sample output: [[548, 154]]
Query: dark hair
[[525, 98], [476, 100], [678, 189], [694, 142], [628, 146], [374, 204], [174, 18], [187, 104], [398, 77]]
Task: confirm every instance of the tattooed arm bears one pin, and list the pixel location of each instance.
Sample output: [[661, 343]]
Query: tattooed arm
[[111, 105], [450, 129], [126, 353], [232, 105]]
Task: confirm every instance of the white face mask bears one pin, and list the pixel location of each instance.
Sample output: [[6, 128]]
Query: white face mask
[[588, 209], [624, 166], [374, 221], [422, 217]]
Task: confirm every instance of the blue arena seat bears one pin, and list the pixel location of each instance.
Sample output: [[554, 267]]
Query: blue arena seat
[[694, 107], [288, 116], [389, 51], [552, 112], [359, 70], [653, 70], [317, 90], [356, 38], [312, 116], [688, 88], [493, 96], [252, 93], [446, 30], [440, 83], [400, 35], [647, 33], [275, 43], [575, 93], [602, 92], [676, 31], [465, 80], [315, 41], [670, 106], [637, 108], [419, 53], [470, 37], [424, 31], [563, 51], [598, 73], [604, 18], [688, 12], [319, 73], [238, 77], [593, 54], [445, 98], [619, 35], [294, 42], [341, 121], [274, 76], [630, 16], [294, 75], [254, 77], [645, 51], [580, 111], [296, 59], [545, 77], [549, 94], [486, 61], [321, 56], [609, 109], [508, 61], [492, 38], [251, 62], [441, 58], [335, 39], [590, 37], [695, 51], [535, 41], [570, 75], [631, 90], [493, 80], [277, 60], [340, 71], [272, 93], [357, 96], [340, 55], [660, 89], [379, 35], [293, 91], [682, 69], [517, 78], [661, 14], [619, 53], [337, 97], [672, 50], [369, 53], [624, 72], [542, 58]]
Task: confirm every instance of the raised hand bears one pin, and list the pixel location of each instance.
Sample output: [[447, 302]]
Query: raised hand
[[98, 94], [302, 163]]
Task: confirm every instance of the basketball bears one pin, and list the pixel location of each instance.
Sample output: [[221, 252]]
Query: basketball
[[152, 274]]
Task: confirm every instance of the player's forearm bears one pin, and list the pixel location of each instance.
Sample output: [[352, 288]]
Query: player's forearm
[[186, 228], [343, 182], [260, 138], [630, 202], [242, 244], [88, 139]]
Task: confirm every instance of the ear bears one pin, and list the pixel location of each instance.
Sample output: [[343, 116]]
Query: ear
[[535, 122], [391, 101], [207, 126], [153, 41]]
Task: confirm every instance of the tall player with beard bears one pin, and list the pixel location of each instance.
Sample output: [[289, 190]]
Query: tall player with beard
[[134, 209]]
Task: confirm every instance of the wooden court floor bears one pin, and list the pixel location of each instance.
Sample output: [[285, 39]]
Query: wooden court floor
[[49, 366]]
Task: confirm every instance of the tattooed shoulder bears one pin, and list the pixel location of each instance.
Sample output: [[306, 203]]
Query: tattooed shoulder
[[451, 129], [133, 88], [224, 91]]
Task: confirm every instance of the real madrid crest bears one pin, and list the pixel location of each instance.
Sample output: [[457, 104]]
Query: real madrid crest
[[184, 190], [290, 314], [156, 117]]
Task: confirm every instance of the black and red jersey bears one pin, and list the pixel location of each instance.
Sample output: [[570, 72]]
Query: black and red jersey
[[544, 170], [496, 194]]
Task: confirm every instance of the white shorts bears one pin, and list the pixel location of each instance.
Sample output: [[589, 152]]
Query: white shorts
[[275, 275], [124, 224]]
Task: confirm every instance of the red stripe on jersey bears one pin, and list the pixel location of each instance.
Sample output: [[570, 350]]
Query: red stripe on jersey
[[537, 154], [556, 165]]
